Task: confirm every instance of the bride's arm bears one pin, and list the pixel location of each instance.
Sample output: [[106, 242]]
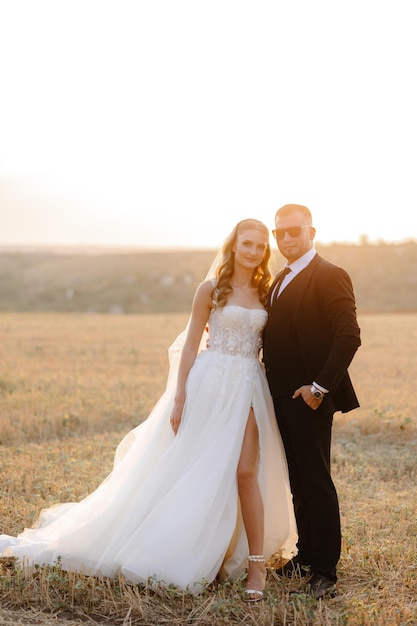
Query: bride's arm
[[200, 312]]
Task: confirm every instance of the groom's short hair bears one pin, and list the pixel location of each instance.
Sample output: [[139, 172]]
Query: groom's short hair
[[287, 209]]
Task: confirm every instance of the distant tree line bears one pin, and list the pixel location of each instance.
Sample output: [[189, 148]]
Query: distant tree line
[[384, 278]]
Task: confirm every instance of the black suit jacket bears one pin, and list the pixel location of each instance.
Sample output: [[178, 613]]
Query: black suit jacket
[[317, 310]]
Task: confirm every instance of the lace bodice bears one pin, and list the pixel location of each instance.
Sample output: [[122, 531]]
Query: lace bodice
[[236, 330]]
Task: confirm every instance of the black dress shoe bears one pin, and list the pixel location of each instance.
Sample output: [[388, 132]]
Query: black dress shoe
[[294, 568], [317, 587]]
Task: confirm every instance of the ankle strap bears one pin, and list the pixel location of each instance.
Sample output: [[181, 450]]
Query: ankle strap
[[257, 558]]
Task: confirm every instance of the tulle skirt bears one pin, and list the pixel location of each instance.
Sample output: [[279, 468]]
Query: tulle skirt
[[169, 513]]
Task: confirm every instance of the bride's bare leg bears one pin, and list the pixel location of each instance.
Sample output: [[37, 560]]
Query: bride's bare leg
[[252, 504]]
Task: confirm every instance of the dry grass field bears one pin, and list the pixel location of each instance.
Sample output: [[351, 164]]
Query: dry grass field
[[72, 384]]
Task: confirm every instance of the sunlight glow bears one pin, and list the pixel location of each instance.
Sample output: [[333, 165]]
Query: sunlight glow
[[163, 124]]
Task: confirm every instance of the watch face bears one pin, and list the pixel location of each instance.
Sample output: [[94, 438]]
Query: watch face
[[316, 393]]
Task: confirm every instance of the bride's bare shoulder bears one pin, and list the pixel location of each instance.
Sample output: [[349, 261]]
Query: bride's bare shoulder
[[203, 294], [206, 287]]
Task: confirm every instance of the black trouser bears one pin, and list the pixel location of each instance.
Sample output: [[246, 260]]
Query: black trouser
[[307, 438]]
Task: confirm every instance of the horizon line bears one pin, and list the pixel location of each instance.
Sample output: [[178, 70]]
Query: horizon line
[[94, 248]]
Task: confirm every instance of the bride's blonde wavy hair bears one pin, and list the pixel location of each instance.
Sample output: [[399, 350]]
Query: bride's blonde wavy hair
[[261, 276]]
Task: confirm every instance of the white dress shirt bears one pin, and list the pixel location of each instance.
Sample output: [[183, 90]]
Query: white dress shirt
[[296, 267]]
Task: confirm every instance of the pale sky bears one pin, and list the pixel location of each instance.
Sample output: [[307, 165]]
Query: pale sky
[[164, 122]]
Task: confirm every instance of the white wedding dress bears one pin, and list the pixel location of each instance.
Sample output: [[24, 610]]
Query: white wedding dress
[[169, 511]]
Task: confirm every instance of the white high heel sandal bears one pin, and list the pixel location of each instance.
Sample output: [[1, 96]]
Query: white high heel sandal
[[257, 593]]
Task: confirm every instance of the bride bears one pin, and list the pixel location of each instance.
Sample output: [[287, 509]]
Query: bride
[[201, 487]]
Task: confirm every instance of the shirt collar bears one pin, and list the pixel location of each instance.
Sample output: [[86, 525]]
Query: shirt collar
[[301, 263]]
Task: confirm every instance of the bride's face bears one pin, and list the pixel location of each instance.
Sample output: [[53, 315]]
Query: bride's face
[[250, 248]]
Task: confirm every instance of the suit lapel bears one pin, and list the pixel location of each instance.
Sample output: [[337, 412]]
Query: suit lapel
[[274, 284], [296, 288], [276, 279]]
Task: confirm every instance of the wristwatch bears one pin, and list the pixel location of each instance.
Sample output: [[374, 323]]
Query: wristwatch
[[316, 392]]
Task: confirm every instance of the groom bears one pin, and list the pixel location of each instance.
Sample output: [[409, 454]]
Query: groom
[[310, 338]]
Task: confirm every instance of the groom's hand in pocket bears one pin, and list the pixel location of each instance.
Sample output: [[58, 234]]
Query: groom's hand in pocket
[[307, 396]]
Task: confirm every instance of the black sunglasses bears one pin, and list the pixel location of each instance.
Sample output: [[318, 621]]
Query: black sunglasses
[[293, 231]]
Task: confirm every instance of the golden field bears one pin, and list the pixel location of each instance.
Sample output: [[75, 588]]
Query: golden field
[[71, 385]]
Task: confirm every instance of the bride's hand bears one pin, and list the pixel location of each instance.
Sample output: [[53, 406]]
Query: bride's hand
[[176, 416]]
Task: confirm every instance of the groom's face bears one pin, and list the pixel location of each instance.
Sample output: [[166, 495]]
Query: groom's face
[[294, 235]]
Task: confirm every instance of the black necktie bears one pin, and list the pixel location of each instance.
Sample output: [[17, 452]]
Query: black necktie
[[281, 277]]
